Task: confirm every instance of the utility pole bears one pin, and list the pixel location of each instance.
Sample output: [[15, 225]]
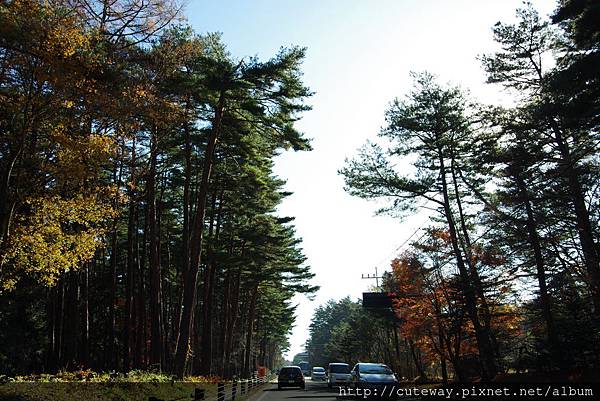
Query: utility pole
[[371, 277]]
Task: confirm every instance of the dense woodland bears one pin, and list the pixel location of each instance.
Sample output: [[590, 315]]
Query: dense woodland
[[505, 277], [138, 224]]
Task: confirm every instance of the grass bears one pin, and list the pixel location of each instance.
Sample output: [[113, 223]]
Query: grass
[[87, 385], [44, 391]]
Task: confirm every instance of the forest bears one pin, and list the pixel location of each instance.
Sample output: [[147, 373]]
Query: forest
[[138, 203], [139, 224], [505, 277]]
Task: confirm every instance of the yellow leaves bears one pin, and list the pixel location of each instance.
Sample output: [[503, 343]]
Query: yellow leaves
[[53, 33], [140, 93], [66, 40], [58, 235], [79, 157]]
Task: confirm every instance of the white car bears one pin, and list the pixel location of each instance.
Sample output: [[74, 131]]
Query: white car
[[339, 374], [318, 374]]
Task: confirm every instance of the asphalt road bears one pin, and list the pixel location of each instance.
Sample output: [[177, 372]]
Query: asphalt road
[[314, 391]]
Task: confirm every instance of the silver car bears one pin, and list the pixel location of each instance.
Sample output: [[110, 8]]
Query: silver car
[[338, 374], [374, 376], [318, 374]]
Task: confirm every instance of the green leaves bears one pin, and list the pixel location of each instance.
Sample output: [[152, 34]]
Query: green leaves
[[429, 125], [521, 64]]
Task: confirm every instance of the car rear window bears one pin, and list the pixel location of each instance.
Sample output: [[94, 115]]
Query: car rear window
[[339, 368], [290, 371], [318, 370], [375, 369]]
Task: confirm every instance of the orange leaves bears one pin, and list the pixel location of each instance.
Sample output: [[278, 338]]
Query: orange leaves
[[427, 303], [442, 235]]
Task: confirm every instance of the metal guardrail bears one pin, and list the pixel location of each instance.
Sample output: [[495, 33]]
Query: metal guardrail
[[225, 391]]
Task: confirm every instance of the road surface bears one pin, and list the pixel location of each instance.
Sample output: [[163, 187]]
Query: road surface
[[314, 391]]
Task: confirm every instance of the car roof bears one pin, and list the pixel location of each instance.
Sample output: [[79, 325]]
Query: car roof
[[339, 363], [318, 367], [291, 366], [371, 364]]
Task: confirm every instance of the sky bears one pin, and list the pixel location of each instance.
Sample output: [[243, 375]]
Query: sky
[[359, 57]]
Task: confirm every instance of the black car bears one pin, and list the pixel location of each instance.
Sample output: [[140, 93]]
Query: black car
[[290, 376]]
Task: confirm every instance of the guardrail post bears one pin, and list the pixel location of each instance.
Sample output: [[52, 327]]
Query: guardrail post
[[233, 390], [243, 386], [220, 391], [198, 394]]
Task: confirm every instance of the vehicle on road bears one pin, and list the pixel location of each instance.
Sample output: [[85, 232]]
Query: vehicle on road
[[305, 366], [290, 376], [318, 374], [375, 376], [338, 374]]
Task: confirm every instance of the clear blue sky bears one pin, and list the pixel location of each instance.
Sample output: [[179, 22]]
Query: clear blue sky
[[359, 56]]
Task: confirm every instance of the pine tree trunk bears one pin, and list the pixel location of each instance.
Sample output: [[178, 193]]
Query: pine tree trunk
[[71, 322], [233, 315], [534, 241], [156, 339], [191, 276], [185, 267], [84, 349], [206, 342], [474, 274], [210, 285], [484, 343], [591, 257], [143, 330], [111, 360], [249, 331], [130, 279], [225, 309]]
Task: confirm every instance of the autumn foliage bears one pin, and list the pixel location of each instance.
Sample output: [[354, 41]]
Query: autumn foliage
[[138, 223], [430, 304]]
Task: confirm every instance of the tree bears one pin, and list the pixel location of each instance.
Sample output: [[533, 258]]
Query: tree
[[112, 178], [430, 125], [568, 147], [265, 95]]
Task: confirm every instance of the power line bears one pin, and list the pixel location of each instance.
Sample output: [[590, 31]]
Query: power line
[[396, 251]]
